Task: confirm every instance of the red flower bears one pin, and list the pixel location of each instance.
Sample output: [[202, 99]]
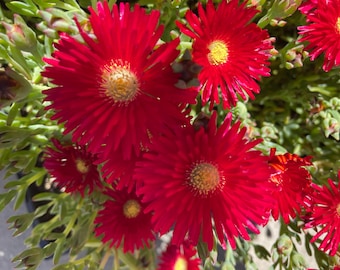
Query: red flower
[[195, 180], [179, 257], [123, 222], [292, 184], [72, 167], [322, 31], [326, 215], [115, 89], [232, 51], [308, 6], [115, 169]]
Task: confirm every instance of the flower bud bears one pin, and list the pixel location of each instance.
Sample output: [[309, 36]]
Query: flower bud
[[57, 21], [298, 261], [51, 33], [290, 55], [45, 15], [281, 23], [61, 25], [273, 22], [298, 61], [21, 35], [285, 245], [289, 65], [335, 103]]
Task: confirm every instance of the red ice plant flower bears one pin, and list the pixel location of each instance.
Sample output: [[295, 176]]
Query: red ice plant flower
[[325, 214], [115, 169], [232, 51], [182, 257], [308, 7], [72, 167], [322, 31], [292, 184], [118, 87], [205, 180], [123, 222]]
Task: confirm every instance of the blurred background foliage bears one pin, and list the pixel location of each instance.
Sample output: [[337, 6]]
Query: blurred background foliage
[[297, 111]]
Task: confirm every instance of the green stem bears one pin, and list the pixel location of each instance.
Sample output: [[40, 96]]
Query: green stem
[[280, 263], [74, 217], [115, 259], [105, 259]]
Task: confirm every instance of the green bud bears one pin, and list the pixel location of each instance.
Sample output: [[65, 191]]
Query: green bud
[[284, 245], [332, 127], [305, 54], [174, 34], [290, 55], [22, 36], [274, 52], [299, 48], [269, 131], [58, 21], [289, 65], [298, 61], [51, 33], [59, 14], [273, 22], [41, 26], [298, 260], [61, 25], [335, 103], [46, 16], [281, 23]]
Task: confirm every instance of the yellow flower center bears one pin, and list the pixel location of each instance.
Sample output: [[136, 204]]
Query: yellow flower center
[[131, 209], [337, 25], [218, 54], [181, 264], [276, 178], [119, 82], [338, 209], [82, 166], [204, 178]]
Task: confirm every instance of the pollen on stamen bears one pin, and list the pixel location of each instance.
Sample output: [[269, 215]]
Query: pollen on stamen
[[81, 166], [204, 178], [131, 209], [119, 82], [219, 53], [181, 264], [276, 178], [337, 25], [338, 210]]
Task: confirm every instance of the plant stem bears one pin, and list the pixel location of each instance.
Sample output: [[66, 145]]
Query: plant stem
[[105, 259], [115, 260], [74, 217]]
